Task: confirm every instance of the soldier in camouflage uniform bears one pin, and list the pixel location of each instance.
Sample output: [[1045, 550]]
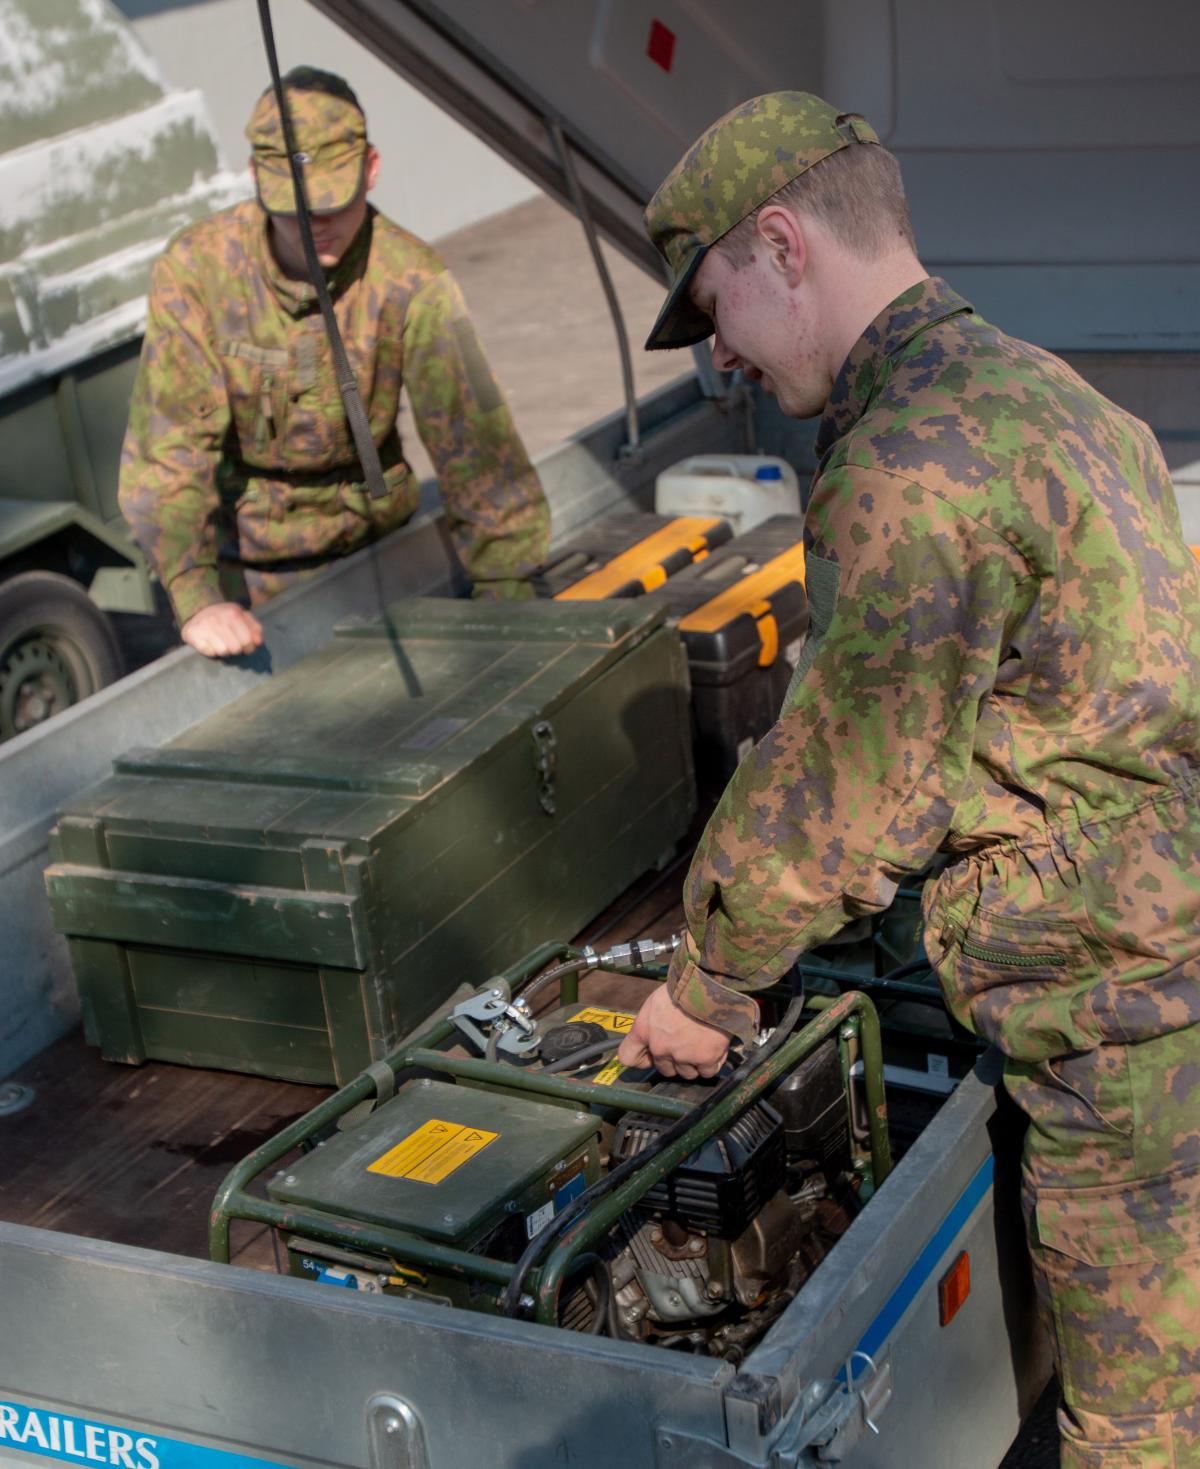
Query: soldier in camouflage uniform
[[1003, 666], [238, 449]]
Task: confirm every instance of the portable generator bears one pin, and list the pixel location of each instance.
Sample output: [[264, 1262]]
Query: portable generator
[[530, 1173]]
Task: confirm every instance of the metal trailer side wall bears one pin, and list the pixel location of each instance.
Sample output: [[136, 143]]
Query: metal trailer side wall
[[174, 1349]]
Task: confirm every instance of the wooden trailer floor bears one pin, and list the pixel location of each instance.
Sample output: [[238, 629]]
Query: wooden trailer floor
[[134, 1154]]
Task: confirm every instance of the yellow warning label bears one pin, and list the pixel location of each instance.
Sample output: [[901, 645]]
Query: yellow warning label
[[610, 1073], [433, 1152], [618, 1020]]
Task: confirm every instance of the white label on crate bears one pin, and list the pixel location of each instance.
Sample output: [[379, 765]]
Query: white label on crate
[[791, 653], [744, 747], [937, 1065], [537, 1221]]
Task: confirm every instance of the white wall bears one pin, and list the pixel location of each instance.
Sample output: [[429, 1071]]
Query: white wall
[[436, 176]]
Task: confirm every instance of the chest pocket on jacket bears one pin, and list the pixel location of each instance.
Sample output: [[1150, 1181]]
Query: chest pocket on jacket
[[317, 433], [256, 382]]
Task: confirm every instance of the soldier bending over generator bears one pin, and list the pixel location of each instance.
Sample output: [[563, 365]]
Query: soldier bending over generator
[[1003, 666]]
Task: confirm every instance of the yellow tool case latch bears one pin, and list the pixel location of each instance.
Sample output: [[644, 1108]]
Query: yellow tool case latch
[[629, 555]]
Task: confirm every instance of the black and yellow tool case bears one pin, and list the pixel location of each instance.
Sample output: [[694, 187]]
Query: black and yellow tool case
[[742, 613], [295, 883], [629, 555]]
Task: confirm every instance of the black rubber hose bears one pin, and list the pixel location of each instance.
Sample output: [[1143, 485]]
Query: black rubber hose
[[602, 1281], [572, 966], [583, 1056], [510, 1300]]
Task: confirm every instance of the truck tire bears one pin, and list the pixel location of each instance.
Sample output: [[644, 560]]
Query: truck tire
[[56, 647]]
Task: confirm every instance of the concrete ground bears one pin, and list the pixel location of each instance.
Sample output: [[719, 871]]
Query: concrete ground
[[537, 303]]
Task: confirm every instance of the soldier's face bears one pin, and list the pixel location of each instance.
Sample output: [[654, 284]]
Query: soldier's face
[[763, 324], [333, 233]]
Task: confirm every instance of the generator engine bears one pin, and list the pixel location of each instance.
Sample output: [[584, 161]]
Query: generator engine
[[716, 1250], [443, 1172]]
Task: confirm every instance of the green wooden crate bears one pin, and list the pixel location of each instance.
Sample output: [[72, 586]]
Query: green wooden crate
[[291, 886]]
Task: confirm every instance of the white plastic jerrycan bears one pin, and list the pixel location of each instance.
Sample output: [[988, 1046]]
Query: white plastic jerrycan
[[745, 489]]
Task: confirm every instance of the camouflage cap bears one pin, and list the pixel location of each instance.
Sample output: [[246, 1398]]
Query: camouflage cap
[[331, 142], [744, 158]]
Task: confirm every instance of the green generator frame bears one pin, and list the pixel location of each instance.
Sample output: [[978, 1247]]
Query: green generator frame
[[852, 1018]]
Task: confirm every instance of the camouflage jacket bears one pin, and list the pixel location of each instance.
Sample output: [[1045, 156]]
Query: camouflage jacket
[[237, 423], [1009, 671]]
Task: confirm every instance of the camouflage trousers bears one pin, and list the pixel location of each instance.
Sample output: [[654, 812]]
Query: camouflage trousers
[[1112, 1203]]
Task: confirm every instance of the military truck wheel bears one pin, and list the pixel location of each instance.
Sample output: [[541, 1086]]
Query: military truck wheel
[[56, 647]]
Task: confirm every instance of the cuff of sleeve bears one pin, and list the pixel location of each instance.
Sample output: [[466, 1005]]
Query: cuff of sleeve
[[703, 998], [508, 590], [192, 591]]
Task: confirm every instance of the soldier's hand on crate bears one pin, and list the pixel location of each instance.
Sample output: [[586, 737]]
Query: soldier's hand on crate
[[222, 630], [677, 1045]]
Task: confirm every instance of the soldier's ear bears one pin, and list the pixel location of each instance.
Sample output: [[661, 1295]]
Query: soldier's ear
[[782, 236], [372, 168]]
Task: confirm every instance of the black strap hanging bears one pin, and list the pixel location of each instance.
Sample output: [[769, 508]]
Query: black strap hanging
[[356, 414]]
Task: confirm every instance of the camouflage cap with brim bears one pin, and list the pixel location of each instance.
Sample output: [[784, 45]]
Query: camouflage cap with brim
[[744, 158], [331, 143]]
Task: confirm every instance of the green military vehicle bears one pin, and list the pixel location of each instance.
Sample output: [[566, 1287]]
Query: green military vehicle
[[100, 162]]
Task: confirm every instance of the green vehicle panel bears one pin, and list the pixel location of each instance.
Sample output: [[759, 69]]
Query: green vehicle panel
[[100, 163]]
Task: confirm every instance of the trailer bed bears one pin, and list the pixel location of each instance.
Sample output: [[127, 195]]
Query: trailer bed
[[134, 1154]]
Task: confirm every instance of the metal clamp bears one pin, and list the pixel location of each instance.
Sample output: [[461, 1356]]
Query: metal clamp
[[824, 1423], [545, 762], [495, 1009], [869, 1393]]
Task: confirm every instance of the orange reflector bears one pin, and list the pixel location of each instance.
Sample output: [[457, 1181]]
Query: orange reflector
[[1196, 549], [954, 1288]]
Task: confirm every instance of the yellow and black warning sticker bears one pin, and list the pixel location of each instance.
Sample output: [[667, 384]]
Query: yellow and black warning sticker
[[619, 1020], [608, 1074], [433, 1152]]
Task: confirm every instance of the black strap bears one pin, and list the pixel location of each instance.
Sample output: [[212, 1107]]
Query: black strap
[[356, 414]]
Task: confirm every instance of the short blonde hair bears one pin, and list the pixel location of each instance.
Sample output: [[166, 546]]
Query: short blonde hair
[[856, 193]]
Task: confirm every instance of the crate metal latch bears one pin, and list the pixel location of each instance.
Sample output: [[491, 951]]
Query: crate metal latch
[[545, 762]]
